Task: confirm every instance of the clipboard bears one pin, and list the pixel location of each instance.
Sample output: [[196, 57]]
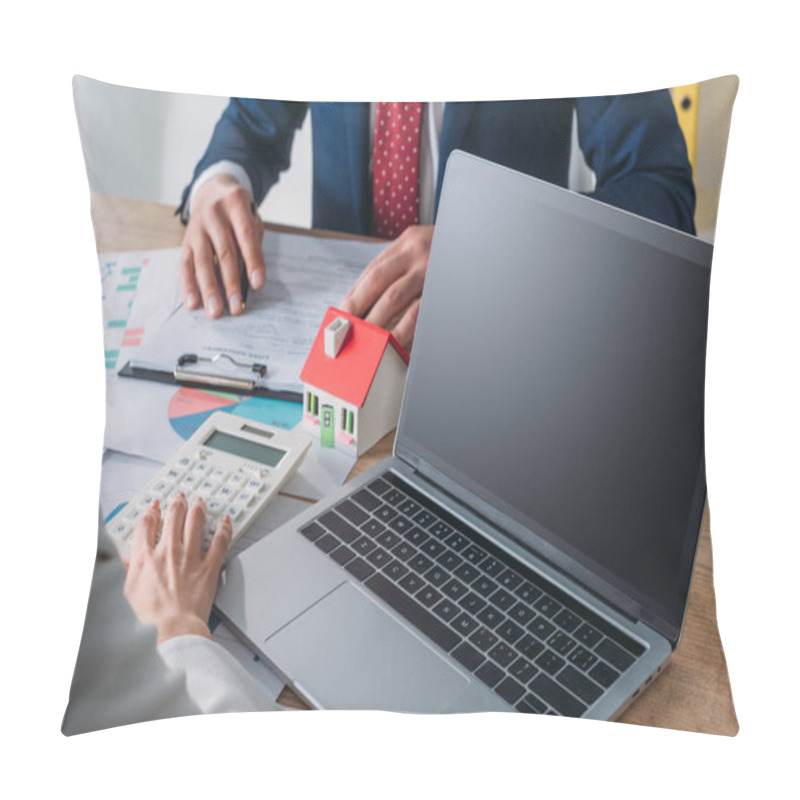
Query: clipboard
[[220, 373]]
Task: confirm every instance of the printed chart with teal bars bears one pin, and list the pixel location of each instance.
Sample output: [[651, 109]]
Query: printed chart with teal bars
[[189, 408], [120, 280]]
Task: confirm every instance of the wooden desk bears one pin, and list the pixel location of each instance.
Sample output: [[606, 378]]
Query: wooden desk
[[692, 694]]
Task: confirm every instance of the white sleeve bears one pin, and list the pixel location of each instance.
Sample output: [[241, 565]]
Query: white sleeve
[[215, 680], [121, 677], [220, 168]]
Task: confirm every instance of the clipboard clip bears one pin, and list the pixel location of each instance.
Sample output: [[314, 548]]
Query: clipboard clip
[[218, 379]]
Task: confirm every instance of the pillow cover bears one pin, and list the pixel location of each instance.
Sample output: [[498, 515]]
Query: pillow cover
[[147, 152]]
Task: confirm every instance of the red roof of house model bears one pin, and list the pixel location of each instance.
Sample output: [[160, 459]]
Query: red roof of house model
[[349, 375]]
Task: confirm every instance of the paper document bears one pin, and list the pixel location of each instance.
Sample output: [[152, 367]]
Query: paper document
[[305, 275]]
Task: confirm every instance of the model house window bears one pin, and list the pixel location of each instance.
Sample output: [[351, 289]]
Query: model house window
[[312, 404]]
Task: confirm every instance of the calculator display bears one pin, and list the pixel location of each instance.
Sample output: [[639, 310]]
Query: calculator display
[[262, 453]]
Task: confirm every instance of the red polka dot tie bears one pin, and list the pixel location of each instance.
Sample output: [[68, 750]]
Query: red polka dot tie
[[395, 168]]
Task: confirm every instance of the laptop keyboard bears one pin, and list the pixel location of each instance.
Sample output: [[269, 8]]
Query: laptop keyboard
[[535, 646]]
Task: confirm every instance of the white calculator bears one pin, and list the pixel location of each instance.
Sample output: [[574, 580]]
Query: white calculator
[[236, 465]]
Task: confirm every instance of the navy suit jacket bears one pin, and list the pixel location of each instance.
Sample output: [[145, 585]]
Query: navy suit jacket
[[632, 143]]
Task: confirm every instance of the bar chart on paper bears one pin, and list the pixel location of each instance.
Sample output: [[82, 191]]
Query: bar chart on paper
[[120, 281]]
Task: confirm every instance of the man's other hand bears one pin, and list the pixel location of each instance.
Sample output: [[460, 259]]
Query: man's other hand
[[389, 290]]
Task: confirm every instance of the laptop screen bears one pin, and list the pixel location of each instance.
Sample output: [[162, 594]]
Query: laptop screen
[[558, 375]]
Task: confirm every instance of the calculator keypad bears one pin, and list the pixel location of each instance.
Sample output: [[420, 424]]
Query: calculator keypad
[[232, 492]]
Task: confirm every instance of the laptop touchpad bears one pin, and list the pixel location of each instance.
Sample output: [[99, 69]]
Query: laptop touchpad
[[371, 661]]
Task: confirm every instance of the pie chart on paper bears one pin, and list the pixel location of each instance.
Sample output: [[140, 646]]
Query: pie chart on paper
[[189, 408]]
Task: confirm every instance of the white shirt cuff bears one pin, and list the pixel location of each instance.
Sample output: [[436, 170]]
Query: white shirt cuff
[[231, 168]]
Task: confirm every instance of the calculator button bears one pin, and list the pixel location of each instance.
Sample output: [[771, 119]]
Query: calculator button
[[215, 506], [237, 479], [236, 513], [246, 498], [219, 474], [256, 485]]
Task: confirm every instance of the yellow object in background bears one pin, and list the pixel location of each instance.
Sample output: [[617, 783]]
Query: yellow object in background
[[686, 100]]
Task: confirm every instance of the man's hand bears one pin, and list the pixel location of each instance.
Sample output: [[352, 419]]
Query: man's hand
[[390, 288], [172, 584], [223, 223]]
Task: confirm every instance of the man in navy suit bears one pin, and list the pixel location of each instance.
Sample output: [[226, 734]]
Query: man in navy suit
[[632, 143]]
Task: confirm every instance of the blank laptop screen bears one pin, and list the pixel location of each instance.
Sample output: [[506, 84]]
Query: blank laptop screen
[[558, 374]]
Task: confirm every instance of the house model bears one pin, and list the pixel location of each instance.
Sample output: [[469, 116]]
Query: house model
[[353, 383]]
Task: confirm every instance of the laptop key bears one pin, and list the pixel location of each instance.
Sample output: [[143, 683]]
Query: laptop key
[[510, 690], [582, 658], [412, 583], [424, 519], [509, 631], [509, 580], [416, 536], [312, 531], [385, 513], [587, 635], [603, 674], [474, 554], [521, 614], [342, 555], [380, 486], [433, 548], [394, 498], [466, 573], [446, 610], [492, 567], [454, 589], [550, 662], [352, 512], [527, 592], [484, 586], [373, 528], [547, 606], [360, 569], [388, 539], [523, 670], [567, 620], [560, 699], [339, 526], [614, 654], [502, 654], [420, 563], [409, 508], [428, 596], [467, 655], [530, 704], [490, 617], [401, 524], [441, 530], [422, 619], [502, 599], [367, 500], [395, 570], [436, 575], [483, 639], [579, 684], [458, 542], [489, 673], [464, 624], [561, 643], [364, 545], [378, 557], [472, 603], [404, 551], [327, 542], [449, 560], [541, 628], [529, 647]]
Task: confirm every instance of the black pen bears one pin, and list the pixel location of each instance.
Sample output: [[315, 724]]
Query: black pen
[[243, 280]]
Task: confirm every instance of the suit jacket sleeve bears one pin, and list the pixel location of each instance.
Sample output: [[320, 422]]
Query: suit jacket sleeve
[[256, 134], [637, 151]]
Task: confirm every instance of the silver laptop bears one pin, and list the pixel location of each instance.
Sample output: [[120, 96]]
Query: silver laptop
[[529, 545]]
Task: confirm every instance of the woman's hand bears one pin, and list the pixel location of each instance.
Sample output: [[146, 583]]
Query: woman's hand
[[171, 584]]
